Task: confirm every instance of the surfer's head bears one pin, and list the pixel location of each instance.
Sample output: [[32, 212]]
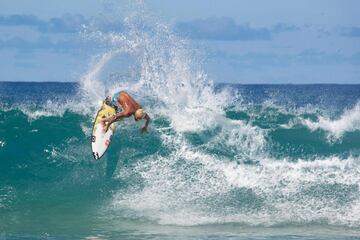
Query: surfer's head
[[139, 114]]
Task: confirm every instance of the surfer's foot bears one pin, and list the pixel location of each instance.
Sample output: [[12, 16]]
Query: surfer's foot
[[105, 128]]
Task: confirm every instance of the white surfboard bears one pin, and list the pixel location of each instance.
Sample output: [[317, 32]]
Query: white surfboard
[[100, 140]]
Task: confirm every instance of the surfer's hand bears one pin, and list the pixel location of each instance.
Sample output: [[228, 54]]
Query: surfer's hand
[[143, 130], [103, 120]]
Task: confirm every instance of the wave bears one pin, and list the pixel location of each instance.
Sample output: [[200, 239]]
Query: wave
[[225, 174], [191, 187], [349, 121]]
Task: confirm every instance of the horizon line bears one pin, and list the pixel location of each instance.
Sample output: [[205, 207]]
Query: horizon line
[[230, 83]]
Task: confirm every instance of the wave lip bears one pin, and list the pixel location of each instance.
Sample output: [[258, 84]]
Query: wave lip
[[349, 121]]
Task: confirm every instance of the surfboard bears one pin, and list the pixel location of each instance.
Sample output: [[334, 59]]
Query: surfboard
[[100, 141]]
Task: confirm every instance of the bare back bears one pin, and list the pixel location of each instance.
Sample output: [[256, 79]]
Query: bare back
[[128, 103]]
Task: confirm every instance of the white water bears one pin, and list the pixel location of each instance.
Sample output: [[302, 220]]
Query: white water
[[349, 121]]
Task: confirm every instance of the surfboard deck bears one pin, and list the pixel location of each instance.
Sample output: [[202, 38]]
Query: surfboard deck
[[100, 141]]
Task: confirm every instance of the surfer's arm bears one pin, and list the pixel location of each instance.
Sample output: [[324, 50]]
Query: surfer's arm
[[119, 116], [115, 118], [147, 119]]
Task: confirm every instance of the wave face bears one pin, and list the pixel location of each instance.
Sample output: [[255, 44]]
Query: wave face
[[250, 155]]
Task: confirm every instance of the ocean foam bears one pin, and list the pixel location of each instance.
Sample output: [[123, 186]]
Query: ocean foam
[[191, 187], [349, 121]]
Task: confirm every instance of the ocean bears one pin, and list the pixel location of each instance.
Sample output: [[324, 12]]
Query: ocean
[[275, 162], [220, 161]]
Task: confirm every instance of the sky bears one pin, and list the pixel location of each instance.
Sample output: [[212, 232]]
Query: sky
[[243, 41]]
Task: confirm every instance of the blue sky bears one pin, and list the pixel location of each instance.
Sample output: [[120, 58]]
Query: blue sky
[[278, 41]]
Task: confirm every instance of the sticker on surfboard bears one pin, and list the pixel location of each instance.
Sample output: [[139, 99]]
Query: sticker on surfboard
[[100, 140]]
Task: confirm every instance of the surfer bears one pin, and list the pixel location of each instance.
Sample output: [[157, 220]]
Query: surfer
[[129, 107]]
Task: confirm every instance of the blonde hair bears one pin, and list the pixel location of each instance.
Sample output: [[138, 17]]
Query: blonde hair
[[140, 113]]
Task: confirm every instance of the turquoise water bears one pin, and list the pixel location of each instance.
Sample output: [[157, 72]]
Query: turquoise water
[[269, 166]]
